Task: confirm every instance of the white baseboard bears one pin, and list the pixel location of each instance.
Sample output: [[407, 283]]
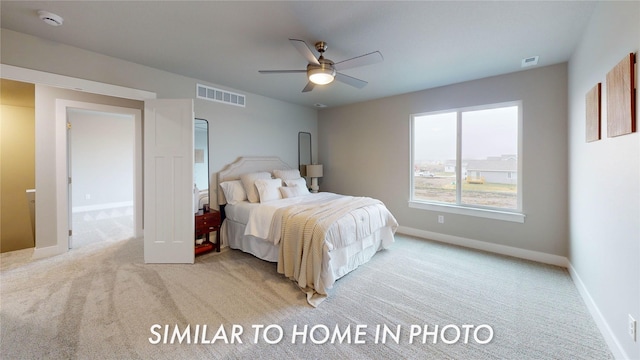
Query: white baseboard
[[45, 252], [485, 246], [603, 326], [114, 205]]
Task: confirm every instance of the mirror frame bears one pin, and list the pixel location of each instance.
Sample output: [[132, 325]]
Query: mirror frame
[[206, 163], [301, 137]]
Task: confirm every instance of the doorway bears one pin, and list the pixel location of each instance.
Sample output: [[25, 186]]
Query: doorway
[[101, 154]]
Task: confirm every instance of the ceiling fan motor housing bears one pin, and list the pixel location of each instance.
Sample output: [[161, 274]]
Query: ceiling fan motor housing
[[322, 73], [325, 65]]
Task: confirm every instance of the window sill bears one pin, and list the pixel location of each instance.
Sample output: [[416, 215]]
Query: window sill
[[464, 210]]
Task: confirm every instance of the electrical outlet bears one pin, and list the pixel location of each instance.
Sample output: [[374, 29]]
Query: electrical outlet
[[440, 219], [87, 197], [632, 328]]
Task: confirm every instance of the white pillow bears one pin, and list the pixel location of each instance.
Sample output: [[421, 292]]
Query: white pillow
[[293, 191], [233, 191], [301, 183], [268, 189], [287, 174], [248, 182]]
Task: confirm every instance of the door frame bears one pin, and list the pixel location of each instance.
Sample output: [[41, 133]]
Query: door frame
[[59, 210], [62, 108]]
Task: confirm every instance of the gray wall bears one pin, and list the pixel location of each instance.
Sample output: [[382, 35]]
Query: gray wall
[[604, 181], [365, 151], [264, 127]]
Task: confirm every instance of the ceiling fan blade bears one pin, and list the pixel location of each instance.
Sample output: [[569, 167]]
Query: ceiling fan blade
[[351, 80], [362, 60], [303, 49], [309, 87], [281, 71]]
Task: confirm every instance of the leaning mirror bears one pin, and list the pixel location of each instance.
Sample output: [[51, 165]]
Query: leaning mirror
[[201, 165], [304, 152]]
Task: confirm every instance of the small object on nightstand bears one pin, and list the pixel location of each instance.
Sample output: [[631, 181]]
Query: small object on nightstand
[[206, 222]]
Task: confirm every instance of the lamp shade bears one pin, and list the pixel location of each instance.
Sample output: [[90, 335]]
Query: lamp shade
[[314, 171]]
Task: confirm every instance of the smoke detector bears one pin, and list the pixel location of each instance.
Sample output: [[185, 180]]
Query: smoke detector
[[50, 18]]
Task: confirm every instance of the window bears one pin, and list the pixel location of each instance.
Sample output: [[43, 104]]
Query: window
[[467, 161]]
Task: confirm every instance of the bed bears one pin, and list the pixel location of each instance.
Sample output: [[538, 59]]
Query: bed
[[315, 239]]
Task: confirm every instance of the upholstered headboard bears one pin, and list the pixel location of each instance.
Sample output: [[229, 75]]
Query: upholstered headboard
[[248, 164]]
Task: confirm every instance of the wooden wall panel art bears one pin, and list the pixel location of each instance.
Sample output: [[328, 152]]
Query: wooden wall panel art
[[593, 116], [621, 98]]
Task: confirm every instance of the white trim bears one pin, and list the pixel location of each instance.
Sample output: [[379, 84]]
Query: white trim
[[45, 252], [95, 207], [60, 179], [43, 78], [62, 106], [485, 246], [469, 211], [611, 340]]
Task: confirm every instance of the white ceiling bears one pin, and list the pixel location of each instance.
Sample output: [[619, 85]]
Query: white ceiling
[[425, 44]]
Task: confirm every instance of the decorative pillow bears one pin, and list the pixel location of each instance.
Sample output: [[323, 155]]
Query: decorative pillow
[[287, 174], [268, 189], [233, 191], [248, 182], [293, 191], [301, 183]]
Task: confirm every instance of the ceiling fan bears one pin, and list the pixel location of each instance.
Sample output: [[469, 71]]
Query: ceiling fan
[[323, 71]]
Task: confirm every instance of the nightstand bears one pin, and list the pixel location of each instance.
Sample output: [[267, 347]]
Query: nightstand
[[206, 222]]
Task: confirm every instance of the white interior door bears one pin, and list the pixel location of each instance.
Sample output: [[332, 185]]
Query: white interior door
[[168, 181]]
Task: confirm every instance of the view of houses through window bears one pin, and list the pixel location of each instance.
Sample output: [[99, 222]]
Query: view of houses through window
[[467, 157]]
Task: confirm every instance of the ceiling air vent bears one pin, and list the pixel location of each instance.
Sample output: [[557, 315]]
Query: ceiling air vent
[[530, 61], [213, 94]]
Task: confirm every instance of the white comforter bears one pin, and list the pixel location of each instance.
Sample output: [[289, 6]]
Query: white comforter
[[308, 228], [263, 225], [261, 217]]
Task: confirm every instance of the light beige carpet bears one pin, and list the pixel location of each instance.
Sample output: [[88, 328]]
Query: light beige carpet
[[101, 301], [103, 225]]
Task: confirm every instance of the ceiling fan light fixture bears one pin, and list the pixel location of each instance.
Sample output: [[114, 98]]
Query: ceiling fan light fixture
[[321, 75]]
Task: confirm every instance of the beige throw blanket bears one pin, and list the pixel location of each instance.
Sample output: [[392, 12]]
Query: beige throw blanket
[[303, 234]]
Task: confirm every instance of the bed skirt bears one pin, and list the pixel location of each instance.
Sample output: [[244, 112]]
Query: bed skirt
[[338, 262], [233, 235]]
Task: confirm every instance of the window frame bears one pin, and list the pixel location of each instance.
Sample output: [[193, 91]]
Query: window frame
[[505, 214]]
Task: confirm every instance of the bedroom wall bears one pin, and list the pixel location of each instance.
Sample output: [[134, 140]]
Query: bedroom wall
[[604, 182], [365, 150], [264, 127]]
